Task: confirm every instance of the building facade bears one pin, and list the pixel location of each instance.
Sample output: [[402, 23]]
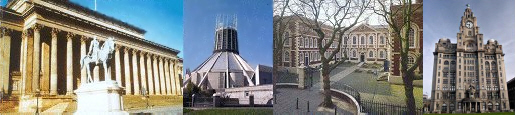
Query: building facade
[[511, 92], [415, 38], [469, 76], [43, 40], [367, 43], [363, 43]]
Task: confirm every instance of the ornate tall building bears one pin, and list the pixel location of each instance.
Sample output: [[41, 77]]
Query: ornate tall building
[[469, 76], [42, 42]]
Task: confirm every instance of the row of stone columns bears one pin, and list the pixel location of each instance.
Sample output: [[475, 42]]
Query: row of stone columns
[[158, 75]]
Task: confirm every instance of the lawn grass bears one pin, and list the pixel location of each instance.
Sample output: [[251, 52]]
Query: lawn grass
[[398, 81], [246, 111], [504, 113]]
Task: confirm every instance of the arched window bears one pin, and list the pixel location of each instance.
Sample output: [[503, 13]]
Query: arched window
[[286, 39], [381, 54], [382, 39], [286, 56], [362, 40], [370, 54], [345, 40], [446, 63], [354, 40], [411, 37], [301, 41], [306, 42], [371, 40], [354, 53]]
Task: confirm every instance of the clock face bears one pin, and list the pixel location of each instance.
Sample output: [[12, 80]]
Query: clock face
[[469, 24]]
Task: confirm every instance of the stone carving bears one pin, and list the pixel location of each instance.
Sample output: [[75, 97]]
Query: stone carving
[[97, 56]]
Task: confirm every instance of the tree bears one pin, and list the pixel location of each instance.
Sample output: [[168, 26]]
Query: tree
[[280, 23], [399, 14], [329, 20]]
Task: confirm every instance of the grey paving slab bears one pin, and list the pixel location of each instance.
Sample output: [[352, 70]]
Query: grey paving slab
[[287, 103]]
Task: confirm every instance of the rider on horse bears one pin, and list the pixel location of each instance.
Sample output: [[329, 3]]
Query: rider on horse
[[93, 50]]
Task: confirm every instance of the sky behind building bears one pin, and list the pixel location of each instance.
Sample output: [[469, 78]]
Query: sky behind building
[[161, 19], [254, 29], [496, 20]]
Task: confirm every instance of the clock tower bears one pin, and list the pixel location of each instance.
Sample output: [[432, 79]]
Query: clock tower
[[469, 38]]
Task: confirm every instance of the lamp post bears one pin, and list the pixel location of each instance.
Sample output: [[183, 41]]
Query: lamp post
[[37, 101]]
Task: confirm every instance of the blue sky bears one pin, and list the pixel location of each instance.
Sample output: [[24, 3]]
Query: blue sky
[[254, 29], [496, 20], [161, 19]]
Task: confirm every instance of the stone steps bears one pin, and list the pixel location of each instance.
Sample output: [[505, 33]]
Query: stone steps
[[58, 108]]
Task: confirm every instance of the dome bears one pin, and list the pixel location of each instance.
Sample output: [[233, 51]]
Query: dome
[[444, 40], [492, 41]]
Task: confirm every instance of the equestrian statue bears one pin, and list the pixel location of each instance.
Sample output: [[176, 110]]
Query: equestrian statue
[[97, 55]]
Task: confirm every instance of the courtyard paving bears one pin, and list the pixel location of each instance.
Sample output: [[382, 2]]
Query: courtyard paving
[[286, 103], [166, 110]]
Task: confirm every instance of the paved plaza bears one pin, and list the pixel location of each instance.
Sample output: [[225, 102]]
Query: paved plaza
[[168, 110], [286, 103]]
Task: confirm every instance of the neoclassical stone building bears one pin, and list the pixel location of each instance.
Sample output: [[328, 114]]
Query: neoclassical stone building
[[469, 76], [367, 43], [42, 42]]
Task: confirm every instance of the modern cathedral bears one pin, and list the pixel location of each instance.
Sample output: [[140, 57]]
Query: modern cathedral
[[469, 76]]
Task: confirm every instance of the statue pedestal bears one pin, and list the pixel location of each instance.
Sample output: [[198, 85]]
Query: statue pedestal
[[99, 98]]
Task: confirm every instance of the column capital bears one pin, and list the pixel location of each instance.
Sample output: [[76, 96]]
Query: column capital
[[26, 33], [70, 35], [149, 55], [155, 57], [135, 51], [83, 39], [37, 27], [6, 31], [54, 32], [142, 53], [117, 47], [126, 49]]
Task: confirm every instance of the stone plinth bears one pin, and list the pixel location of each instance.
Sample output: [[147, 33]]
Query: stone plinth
[[99, 98], [28, 103]]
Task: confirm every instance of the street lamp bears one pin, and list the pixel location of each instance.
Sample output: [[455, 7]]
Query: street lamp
[[37, 101]]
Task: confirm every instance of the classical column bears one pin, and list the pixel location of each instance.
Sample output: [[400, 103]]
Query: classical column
[[162, 76], [5, 56], [178, 78], [135, 71], [127, 71], [142, 71], [156, 76], [172, 77], [36, 57], [24, 58], [69, 64], [83, 74], [167, 77], [118, 65], [149, 75], [53, 60]]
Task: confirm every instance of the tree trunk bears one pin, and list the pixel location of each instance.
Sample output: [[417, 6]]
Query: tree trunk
[[327, 103], [408, 91]]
